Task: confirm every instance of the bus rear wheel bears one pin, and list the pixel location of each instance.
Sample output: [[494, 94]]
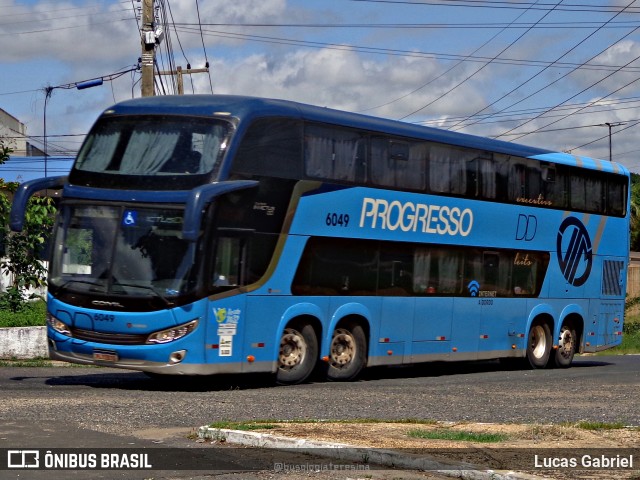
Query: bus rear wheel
[[567, 343], [539, 344], [347, 353], [297, 354]]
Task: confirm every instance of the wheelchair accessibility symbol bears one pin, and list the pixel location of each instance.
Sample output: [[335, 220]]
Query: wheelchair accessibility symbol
[[130, 218]]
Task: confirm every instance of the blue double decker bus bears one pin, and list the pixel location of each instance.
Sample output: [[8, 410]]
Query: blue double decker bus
[[201, 235]]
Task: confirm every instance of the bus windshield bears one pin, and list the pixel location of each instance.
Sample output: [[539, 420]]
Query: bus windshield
[[154, 145], [114, 250]]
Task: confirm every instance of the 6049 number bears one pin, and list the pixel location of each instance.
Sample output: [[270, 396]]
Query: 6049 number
[[104, 317], [337, 219]]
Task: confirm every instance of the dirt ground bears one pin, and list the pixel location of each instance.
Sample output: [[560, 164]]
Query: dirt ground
[[521, 442]]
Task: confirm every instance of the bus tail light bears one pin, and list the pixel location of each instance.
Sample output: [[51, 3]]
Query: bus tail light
[[58, 326], [172, 334]]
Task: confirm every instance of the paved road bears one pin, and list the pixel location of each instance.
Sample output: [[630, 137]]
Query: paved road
[[87, 407]]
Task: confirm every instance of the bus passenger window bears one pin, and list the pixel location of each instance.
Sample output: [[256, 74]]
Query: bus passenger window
[[395, 273], [578, 193], [337, 267], [555, 186], [616, 194], [272, 147], [449, 265], [594, 188], [332, 153], [491, 270], [528, 271], [447, 169]]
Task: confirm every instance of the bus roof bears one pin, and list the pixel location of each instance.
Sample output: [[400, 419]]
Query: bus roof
[[247, 108]]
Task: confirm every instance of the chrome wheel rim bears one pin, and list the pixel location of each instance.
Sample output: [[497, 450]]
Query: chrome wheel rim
[[293, 349], [538, 341], [343, 348]]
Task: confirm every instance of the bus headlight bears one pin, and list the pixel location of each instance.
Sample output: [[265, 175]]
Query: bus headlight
[[58, 326], [174, 333]]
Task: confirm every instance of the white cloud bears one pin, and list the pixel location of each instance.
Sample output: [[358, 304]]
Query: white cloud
[[75, 41], [344, 79]]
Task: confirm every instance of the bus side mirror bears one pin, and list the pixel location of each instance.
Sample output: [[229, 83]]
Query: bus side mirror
[[199, 197], [25, 192]]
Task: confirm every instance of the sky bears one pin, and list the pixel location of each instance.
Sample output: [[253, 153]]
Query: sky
[[560, 75]]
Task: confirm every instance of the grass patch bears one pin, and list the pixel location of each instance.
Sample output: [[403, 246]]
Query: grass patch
[[588, 425], [33, 315], [630, 340], [270, 424], [31, 362], [377, 420], [457, 436], [245, 426]]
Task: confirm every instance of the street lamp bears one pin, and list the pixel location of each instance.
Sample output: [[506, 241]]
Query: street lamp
[[48, 91], [609, 124]]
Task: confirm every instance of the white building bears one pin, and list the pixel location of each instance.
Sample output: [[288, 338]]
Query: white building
[[13, 134]]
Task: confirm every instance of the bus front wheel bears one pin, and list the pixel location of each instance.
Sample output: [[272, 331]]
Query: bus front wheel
[[297, 354], [347, 353], [567, 343], [539, 344]]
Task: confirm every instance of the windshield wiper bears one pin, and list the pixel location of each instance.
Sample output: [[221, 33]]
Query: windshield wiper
[[151, 288], [99, 286]]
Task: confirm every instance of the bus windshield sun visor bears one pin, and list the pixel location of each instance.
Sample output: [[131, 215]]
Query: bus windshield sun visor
[[203, 195], [24, 193]]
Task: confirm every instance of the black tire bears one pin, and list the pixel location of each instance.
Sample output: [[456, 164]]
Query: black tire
[[539, 344], [347, 353], [297, 355], [567, 344]]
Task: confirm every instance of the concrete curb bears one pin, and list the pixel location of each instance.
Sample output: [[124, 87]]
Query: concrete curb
[[23, 342], [353, 453]]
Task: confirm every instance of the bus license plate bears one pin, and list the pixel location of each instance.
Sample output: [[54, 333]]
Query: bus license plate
[[105, 356]]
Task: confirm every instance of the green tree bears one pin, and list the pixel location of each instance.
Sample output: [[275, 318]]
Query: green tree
[[22, 250]]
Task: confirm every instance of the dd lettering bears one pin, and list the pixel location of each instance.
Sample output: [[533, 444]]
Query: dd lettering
[[527, 226]]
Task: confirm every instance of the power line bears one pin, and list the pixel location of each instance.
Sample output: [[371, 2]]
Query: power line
[[422, 26], [581, 42], [32, 20], [505, 5], [397, 52], [575, 95], [606, 136], [476, 72], [576, 108], [203, 46], [595, 101]]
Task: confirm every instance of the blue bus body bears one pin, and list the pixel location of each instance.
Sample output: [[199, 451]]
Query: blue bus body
[[354, 273]]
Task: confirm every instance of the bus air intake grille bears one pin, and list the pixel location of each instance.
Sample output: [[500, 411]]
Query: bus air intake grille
[[110, 338], [612, 277]]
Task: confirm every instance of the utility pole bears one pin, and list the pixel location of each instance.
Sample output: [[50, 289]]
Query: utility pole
[[148, 40], [180, 72]]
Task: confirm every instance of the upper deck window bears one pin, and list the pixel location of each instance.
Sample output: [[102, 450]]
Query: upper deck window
[[158, 145]]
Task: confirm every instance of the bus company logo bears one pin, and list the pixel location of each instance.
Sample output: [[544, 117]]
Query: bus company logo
[[575, 255]]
